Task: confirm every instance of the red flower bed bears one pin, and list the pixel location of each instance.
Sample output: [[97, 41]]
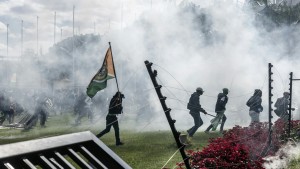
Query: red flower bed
[[241, 147]]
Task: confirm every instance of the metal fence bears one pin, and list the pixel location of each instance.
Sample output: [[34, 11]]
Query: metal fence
[[70, 151]]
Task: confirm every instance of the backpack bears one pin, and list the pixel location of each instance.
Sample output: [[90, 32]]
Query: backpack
[[189, 106], [115, 107], [279, 106], [250, 102]]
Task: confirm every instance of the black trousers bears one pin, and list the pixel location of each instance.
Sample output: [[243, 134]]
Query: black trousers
[[111, 120], [9, 115], [43, 118]]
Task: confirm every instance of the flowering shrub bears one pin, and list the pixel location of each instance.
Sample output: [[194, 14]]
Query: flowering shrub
[[242, 147]]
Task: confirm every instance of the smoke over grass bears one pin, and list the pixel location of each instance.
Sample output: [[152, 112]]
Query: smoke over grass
[[214, 47], [208, 45]]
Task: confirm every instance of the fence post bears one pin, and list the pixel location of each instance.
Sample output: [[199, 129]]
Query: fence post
[[290, 104], [167, 111], [270, 104]]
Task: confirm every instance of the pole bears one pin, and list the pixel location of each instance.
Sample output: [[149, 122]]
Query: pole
[[270, 104], [290, 104], [94, 28], [73, 18], [54, 26], [167, 111], [73, 59], [114, 66], [7, 25], [37, 35], [22, 38], [6, 67], [122, 16]]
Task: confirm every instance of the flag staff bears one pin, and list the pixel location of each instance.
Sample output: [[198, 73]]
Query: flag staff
[[7, 25], [54, 26], [114, 66]]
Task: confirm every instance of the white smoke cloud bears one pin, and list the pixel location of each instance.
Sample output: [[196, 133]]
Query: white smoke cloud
[[283, 157], [227, 50], [237, 59]]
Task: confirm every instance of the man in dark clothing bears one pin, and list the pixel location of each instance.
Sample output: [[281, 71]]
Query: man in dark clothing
[[195, 109], [115, 108], [282, 106], [40, 112], [255, 106], [6, 109], [83, 107], [220, 110]]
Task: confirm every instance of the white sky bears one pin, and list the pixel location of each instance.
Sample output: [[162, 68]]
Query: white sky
[[91, 16]]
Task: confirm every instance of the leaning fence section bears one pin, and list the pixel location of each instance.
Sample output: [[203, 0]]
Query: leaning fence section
[[162, 99], [70, 151]]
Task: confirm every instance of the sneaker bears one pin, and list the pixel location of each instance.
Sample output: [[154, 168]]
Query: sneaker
[[183, 139], [189, 140], [119, 143]]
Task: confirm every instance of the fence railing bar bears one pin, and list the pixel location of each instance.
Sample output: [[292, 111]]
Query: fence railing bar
[[9, 166], [91, 157], [29, 164], [78, 159], [65, 162], [56, 163], [47, 162]]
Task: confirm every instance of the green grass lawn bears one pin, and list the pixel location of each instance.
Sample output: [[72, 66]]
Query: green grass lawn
[[144, 149], [294, 164], [149, 150]]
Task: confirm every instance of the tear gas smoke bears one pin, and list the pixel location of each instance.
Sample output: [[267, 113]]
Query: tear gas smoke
[[208, 45]]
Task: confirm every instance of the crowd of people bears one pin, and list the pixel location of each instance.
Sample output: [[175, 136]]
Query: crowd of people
[[9, 108], [254, 103]]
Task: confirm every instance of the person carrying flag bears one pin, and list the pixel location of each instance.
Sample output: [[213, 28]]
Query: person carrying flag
[[115, 108], [99, 82]]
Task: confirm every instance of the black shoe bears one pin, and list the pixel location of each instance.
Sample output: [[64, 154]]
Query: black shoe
[[98, 135], [119, 143]]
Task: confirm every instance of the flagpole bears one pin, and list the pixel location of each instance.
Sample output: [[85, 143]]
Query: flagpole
[[114, 66]]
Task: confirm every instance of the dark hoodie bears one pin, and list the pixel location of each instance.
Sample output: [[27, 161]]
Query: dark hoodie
[[115, 105], [221, 102], [255, 102], [194, 103]]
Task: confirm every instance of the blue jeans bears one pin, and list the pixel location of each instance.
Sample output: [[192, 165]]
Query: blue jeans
[[254, 117], [198, 122]]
